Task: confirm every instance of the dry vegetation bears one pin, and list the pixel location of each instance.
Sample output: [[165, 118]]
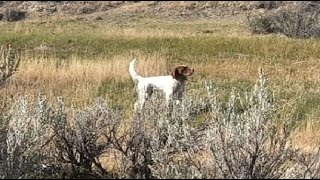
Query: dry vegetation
[[83, 60], [228, 54]]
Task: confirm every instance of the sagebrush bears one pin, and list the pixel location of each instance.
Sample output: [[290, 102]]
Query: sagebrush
[[242, 138], [299, 21]]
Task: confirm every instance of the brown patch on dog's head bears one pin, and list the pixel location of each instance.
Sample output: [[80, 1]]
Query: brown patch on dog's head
[[182, 72]]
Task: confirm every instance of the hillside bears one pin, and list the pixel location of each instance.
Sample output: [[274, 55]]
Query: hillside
[[103, 9]]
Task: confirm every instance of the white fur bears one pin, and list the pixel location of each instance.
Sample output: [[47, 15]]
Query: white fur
[[172, 88]]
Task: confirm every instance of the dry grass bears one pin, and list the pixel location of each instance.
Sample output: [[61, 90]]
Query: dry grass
[[223, 51], [77, 79]]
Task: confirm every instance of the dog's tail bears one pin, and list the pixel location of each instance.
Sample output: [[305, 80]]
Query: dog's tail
[[134, 75]]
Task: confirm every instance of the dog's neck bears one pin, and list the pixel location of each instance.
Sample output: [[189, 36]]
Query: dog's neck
[[181, 79]]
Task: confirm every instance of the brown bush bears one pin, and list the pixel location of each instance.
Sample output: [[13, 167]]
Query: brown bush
[[300, 20]]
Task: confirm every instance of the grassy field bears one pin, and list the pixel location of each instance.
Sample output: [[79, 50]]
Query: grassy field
[[86, 59]]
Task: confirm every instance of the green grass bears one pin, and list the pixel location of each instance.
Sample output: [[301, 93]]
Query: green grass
[[120, 94], [306, 106], [74, 38]]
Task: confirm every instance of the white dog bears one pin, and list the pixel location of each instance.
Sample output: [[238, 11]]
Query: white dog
[[172, 85]]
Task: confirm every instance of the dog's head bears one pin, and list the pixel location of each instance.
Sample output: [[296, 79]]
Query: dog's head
[[182, 72]]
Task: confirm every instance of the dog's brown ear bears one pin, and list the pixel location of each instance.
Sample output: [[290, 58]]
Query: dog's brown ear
[[177, 72], [174, 72]]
